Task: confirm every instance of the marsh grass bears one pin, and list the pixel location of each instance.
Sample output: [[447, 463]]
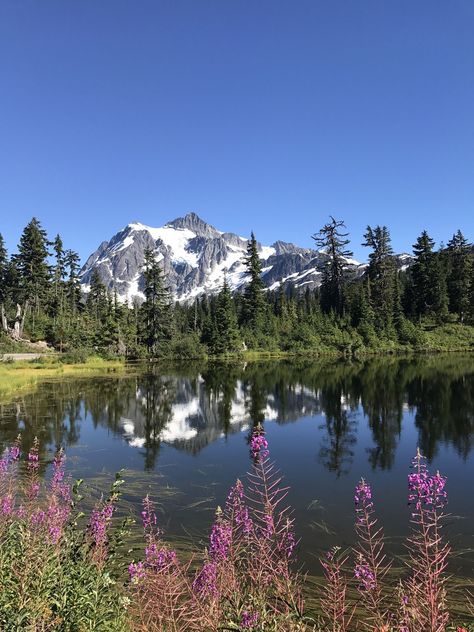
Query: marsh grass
[[26, 375]]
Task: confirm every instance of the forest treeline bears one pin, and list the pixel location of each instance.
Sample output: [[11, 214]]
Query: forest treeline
[[426, 305]]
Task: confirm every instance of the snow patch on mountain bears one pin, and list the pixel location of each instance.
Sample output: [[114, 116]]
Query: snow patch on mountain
[[195, 257]]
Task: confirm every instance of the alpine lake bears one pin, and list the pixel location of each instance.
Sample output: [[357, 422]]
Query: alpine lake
[[180, 432]]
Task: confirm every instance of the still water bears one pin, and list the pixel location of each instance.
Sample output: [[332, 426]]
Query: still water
[[181, 434]]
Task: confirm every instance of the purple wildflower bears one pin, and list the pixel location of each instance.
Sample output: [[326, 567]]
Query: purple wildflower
[[289, 541], [99, 522], [235, 507], [249, 620], [6, 505], [220, 540], [364, 574], [363, 501], [136, 572], [259, 445], [37, 518], [33, 490], [10, 455], [424, 489], [205, 583], [148, 514], [33, 458], [159, 558]]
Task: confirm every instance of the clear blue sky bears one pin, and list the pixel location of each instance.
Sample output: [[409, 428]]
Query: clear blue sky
[[257, 114]]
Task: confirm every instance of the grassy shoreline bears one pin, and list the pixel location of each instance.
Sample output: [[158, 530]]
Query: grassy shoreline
[[26, 374]]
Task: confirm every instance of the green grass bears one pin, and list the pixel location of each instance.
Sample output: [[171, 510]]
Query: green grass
[[26, 374]]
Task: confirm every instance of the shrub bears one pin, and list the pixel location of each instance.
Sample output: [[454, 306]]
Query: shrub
[[49, 575]]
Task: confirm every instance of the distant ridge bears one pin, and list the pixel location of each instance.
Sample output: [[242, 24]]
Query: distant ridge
[[195, 256]]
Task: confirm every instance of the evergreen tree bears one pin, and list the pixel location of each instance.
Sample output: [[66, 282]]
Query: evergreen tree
[[459, 260], [471, 297], [3, 269], [32, 264], [58, 275], [226, 330], [428, 286], [97, 300], [156, 310], [381, 272], [333, 242], [254, 300], [73, 287]]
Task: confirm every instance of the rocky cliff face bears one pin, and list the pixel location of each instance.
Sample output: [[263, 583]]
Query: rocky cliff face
[[195, 256]]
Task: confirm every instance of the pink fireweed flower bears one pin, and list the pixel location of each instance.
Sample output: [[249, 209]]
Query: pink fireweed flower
[[136, 572], [149, 520], [6, 505], [56, 518], [289, 540], [235, 507], [424, 489], [364, 574], [258, 444], [220, 540], [33, 458], [58, 470], [158, 558], [37, 518], [269, 528], [363, 501], [10, 455], [363, 494], [249, 620], [33, 490], [205, 584], [99, 522]]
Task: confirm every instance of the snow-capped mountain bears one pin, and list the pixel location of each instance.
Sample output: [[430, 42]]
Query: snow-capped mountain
[[195, 256]]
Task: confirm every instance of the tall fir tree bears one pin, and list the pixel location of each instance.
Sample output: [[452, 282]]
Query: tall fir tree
[[333, 241], [459, 264], [428, 283], [97, 299], [73, 286], [226, 330], [381, 272], [3, 269], [32, 264], [3, 284], [254, 300], [157, 307], [59, 272]]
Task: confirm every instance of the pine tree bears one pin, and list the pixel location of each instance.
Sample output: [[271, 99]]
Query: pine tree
[[59, 272], [471, 297], [254, 300], [381, 272], [333, 242], [3, 284], [97, 300], [3, 269], [459, 260], [32, 264], [73, 287], [428, 294], [226, 331], [156, 310]]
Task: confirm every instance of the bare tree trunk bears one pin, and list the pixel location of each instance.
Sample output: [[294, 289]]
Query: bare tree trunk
[[17, 333], [4, 319]]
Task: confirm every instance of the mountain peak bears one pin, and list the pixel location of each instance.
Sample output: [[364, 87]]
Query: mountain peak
[[193, 222]]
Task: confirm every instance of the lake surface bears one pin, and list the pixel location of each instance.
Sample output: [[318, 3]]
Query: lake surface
[[181, 433]]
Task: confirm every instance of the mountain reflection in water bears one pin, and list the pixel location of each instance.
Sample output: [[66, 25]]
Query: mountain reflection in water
[[192, 407]]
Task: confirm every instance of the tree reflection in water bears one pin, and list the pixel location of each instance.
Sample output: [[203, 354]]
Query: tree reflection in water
[[194, 406]]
